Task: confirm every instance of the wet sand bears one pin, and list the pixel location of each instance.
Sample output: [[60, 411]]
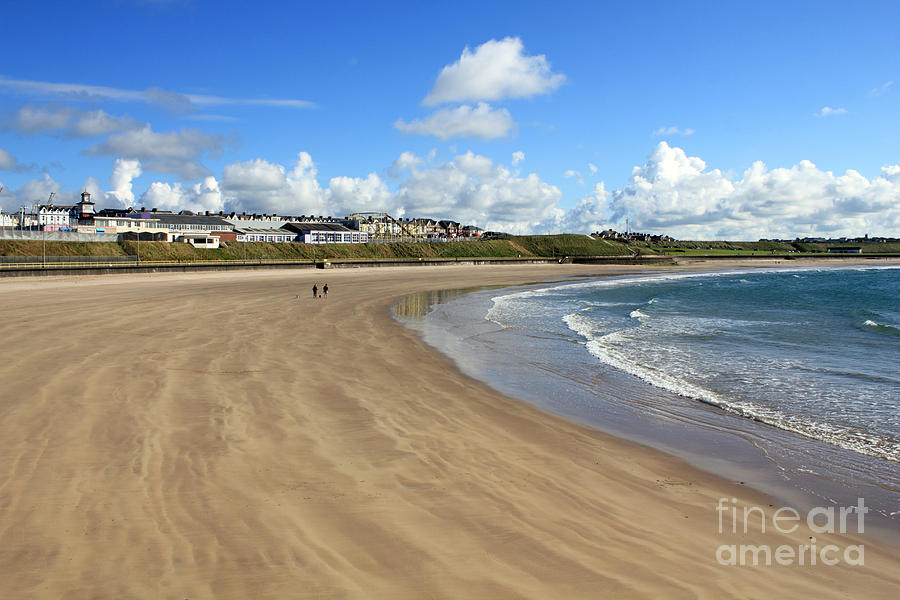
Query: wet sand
[[227, 436]]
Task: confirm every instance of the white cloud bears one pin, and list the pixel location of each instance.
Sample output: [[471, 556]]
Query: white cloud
[[8, 162], [355, 194], [199, 197], [38, 191], [881, 89], [497, 69], [589, 214], [69, 121], [663, 131], [518, 157], [153, 95], [176, 152], [593, 168], [670, 193], [38, 119], [407, 161], [572, 173], [256, 175], [96, 123], [827, 111], [473, 189], [265, 187], [123, 173], [676, 194], [480, 121]]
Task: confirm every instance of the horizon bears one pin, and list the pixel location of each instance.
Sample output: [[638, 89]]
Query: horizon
[[685, 122]]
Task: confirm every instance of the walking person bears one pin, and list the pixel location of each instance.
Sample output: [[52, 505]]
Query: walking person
[[325, 290], [315, 291]]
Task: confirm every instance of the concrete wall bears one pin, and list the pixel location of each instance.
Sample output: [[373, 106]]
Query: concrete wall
[[56, 236]]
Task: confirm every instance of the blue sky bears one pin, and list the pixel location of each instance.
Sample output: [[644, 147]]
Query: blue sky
[[702, 119]]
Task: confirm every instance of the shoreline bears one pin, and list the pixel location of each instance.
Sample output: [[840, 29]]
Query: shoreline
[[263, 442], [768, 458]]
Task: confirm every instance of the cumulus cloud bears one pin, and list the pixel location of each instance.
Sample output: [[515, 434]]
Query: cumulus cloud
[[473, 189], [591, 213], [827, 111], [355, 194], [199, 197], [262, 186], [495, 70], [123, 173], [480, 121], [676, 194], [176, 152], [518, 157], [664, 131], [671, 192], [407, 161], [8, 162], [120, 180], [593, 168], [256, 175], [38, 191]]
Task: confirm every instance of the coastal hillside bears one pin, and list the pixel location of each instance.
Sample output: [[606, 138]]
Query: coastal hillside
[[529, 246], [510, 247]]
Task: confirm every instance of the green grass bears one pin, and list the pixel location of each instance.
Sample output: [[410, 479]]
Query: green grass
[[727, 248], [512, 247], [35, 248], [528, 246]]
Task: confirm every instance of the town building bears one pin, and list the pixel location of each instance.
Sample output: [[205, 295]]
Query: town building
[[8, 220], [471, 231], [199, 240], [52, 217], [187, 222], [326, 233], [134, 228], [450, 229], [253, 234]]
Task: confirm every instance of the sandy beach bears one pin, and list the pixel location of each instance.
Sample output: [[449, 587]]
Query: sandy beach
[[226, 436]]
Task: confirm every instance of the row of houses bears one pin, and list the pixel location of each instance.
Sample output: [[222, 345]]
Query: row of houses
[[210, 230], [631, 236], [382, 225]]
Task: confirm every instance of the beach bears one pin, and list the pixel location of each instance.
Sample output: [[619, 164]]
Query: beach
[[227, 435]]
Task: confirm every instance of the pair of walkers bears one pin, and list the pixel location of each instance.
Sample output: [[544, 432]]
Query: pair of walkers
[[316, 291]]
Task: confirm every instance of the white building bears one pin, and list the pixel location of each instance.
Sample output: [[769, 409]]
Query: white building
[[326, 233], [120, 224], [57, 218], [199, 240], [275, 236], [185, 223], [8, 220]]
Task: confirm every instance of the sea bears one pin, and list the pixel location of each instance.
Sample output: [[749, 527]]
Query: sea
[[787, 380]]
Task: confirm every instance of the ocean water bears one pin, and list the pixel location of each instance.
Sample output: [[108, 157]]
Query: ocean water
[[814, 352], [786, 379]]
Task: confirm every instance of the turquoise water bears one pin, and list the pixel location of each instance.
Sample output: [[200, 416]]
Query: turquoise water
[[813, 352]]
